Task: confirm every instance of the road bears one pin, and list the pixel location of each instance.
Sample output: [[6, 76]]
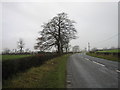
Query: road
[[84, 71]]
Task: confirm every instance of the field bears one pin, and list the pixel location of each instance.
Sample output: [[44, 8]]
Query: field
[[52, 74], [9, 57], [107, 54], [111, 51], [108, 57]]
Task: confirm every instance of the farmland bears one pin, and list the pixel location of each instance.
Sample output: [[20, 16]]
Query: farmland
[[107, 54], [111, 51], [11, 57]]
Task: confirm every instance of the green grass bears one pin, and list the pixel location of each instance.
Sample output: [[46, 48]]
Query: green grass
[[51, 74], [108, 57], [111, 51], [9, 57]]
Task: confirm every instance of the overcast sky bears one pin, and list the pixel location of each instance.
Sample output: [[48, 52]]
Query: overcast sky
[[96, 22]]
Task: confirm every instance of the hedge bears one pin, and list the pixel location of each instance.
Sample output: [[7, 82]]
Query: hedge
[[11, 67]]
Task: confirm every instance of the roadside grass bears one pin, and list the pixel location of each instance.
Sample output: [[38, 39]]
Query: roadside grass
[[9, 57], [52, 74], [0, 58], [108, 57]]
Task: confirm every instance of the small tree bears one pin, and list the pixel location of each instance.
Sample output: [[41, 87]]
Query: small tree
[[21, 45], [6, 51]]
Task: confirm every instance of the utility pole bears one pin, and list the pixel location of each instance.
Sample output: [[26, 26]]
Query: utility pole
[[85, 50], [88, 46]]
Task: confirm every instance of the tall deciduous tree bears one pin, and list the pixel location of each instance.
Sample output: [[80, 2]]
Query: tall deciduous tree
[[57, 32]]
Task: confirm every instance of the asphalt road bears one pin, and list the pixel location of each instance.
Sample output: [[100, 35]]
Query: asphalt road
[[84, 71]]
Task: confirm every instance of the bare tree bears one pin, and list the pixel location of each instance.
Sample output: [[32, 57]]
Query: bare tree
[[27, 50], [21, 45], [66, 47], [6, 51], [112, 47], [56, 33], [76, 49], [94, 49], [105, 48]]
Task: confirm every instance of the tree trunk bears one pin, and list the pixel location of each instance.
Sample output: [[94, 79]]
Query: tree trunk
[[21, 50], [59, 38], [59, 49], [66, 49]]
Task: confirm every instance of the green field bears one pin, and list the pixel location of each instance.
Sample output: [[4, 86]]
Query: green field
[[51, 74], [108, 57], [111, 51], [9, 57]]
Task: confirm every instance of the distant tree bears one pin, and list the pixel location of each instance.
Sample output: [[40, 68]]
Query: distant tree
[[56, 33], [15, 50], [105, 48], [112, 47], [6, 51], [27, 50], [67, 47], [94, 49], [76, 48], [21, 45]]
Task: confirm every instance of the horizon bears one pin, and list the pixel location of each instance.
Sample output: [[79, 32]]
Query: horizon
[[96, 22]]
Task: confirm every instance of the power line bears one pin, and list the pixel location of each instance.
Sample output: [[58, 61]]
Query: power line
[[109, 38], [102, 42]]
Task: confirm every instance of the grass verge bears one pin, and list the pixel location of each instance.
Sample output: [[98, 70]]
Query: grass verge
[[51, 74], [108, 57]]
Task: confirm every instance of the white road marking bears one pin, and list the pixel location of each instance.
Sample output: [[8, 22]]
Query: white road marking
[[68, 82], [98, 63], [117, 71], [86, 58]]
